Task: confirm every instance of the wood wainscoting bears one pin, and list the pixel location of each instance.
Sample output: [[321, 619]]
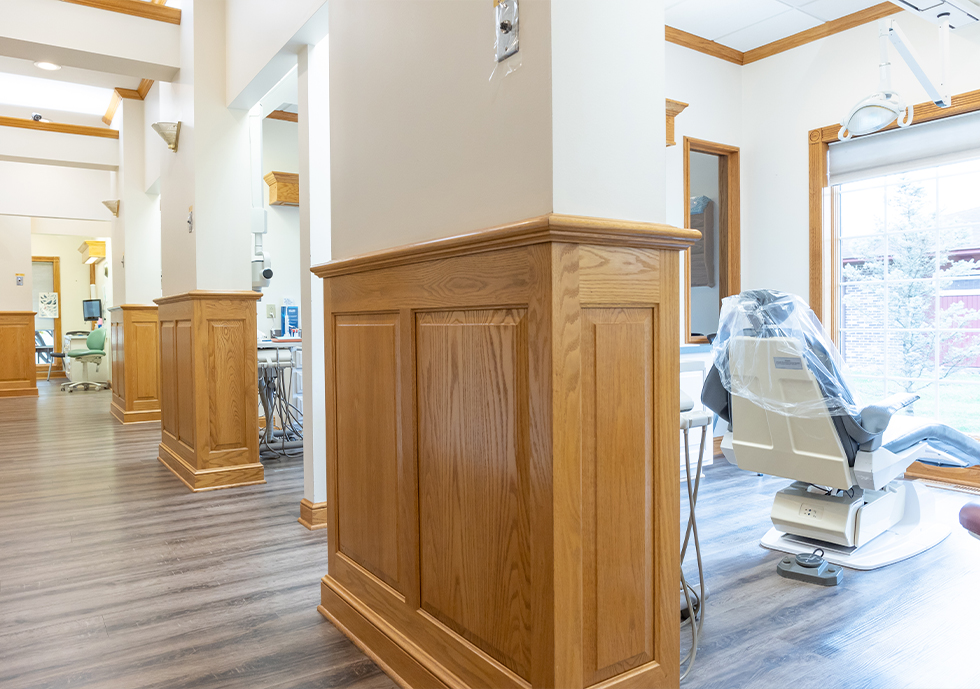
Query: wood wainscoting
[[135, 342], [18, 374], [502, 474], [209, 389]]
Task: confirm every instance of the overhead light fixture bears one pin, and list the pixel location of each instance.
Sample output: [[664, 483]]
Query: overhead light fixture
[[48, 66], [169, 132], [880, 109]]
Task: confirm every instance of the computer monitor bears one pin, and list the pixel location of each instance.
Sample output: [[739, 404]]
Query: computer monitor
[[92, 309]]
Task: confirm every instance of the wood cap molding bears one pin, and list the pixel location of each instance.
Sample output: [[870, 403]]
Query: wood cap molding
[[544, 229], [202, 294], [133, 307]]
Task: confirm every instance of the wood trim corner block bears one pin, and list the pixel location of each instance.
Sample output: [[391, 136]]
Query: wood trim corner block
[[531, 371], [283, 188], [674, 108], [313, 515], [209, 389], [18, 374]]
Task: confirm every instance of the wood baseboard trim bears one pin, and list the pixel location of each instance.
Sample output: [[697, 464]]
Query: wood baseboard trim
[[19, 392], [312, 515], [199, 481], [954, 476], [403, 669], [123, 416]]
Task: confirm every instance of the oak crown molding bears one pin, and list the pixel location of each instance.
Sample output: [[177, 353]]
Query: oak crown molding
[[835, 26], [147, 10], [82, 130]]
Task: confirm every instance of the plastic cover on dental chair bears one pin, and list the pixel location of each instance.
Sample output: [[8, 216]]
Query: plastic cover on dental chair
[[747, 320]]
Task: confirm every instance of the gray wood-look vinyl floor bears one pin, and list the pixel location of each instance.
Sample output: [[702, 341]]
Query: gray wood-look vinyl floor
[[113, 575], [912, 624]]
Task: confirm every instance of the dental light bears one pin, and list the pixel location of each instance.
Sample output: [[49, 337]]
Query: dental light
[[880, 109]]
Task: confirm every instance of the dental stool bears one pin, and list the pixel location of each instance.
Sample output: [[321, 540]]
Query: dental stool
[[93, 353], [777, 380]]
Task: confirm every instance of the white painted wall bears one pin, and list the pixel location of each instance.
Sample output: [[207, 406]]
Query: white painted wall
[[808, 87], [607, 106], [53, 192], [110, 42], [315, 248], [424, 145], [262, 47], [281, 153], [210, 169], [74, 275], [53, 148], [15, 250]]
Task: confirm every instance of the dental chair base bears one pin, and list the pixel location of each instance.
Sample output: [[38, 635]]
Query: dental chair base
[[861, 529]]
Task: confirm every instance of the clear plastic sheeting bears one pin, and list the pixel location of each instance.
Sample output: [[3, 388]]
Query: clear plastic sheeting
[[772, 350]]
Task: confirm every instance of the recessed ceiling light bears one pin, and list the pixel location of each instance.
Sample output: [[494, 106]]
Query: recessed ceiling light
[[49, 66]]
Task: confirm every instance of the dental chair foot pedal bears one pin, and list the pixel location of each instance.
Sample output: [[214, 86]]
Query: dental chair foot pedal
[[811, 568]]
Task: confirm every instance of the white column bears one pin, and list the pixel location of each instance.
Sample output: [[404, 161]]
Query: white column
[[15, 258], [314, 223]]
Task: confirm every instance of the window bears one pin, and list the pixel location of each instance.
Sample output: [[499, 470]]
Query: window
[[908, 287]]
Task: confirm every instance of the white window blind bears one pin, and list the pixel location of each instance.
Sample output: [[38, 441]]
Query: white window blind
[[900, 150]]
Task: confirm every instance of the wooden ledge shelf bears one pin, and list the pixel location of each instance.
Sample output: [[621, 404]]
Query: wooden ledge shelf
[[283, 188], [502, 506]]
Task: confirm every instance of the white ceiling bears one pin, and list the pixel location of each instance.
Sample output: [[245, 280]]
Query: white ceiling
[[747, 24]]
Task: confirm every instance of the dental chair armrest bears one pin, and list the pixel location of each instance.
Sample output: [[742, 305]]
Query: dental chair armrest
[[875, 417]]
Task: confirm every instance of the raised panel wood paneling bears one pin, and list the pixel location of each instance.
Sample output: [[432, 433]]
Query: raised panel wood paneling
[[209, 389], [147, 373], [618, 513], [136, 364], [473, 485], [118, 362], [502, 505], [226, 377], [366, 369], [168, 378], [185, 398], [18, 377]]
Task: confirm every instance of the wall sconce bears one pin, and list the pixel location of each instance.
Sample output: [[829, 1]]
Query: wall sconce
[[169, 132], [113, 206], [92, 251]]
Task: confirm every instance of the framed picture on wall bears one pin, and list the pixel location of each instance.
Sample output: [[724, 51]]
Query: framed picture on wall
[[47, 305]]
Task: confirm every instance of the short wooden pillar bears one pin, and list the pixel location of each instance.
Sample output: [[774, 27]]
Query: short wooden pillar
[[135, 347], [18, 372], [503, 496], [209, 389]]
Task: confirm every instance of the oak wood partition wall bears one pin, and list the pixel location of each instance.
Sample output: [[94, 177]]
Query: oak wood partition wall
[[823, 258], [729, 224], [18, 377], [502, 476], [135, 342], [209, 389]]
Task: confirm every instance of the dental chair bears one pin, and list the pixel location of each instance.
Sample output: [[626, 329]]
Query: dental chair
[[777, 381]]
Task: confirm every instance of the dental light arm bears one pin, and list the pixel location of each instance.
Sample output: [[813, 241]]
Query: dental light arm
[[939, 94]]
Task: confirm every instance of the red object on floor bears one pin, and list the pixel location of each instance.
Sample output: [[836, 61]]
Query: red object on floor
[[970, 518]]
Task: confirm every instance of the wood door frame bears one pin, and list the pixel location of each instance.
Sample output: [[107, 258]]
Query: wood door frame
[[56, 270], [729, 224]]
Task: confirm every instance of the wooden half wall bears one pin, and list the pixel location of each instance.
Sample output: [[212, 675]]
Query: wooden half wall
[[18, 374], [502, 473], [209, 389], [135, 342]]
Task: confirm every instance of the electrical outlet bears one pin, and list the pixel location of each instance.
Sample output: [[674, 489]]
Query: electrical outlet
[[270, 310]]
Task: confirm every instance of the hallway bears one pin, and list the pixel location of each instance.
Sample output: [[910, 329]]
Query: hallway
[[113, 575]]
